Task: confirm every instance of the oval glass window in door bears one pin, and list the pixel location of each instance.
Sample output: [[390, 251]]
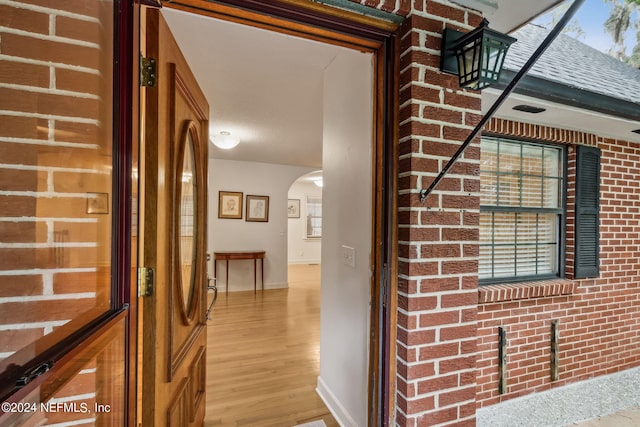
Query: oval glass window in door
[[187, 221]]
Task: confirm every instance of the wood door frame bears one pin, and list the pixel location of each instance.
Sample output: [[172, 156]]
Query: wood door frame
[[310, 20]]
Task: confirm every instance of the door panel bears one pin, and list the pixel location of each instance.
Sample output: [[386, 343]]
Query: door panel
[[175, 154]]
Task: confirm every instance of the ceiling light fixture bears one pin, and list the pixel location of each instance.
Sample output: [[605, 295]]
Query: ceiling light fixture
[[636, 131], [476, 57], [225, 140]]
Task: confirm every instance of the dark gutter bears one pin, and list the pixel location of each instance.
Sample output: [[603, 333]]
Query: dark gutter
[[536, 87]]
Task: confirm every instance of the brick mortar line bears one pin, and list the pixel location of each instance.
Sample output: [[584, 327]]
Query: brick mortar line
[[449, 259], [49, 11], [73, 119], [422, 68], [54, 65], [45, 168], [49, 143], [54, 297], [49, 37], [50, 245], [436, 409], [446, 390], [421, 49], [34, 271], [448, 107], [442, 310], [422, 120], [50, 91], [46, 220], [73, 398], [44, 194], [34, 325], [441, 19], [436, 310]]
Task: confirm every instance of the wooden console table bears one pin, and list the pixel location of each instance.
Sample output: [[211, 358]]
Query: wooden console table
[[228, 256]]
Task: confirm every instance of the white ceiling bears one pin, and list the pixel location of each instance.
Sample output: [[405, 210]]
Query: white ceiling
[[262, 86], [508, 15], [266, 87]]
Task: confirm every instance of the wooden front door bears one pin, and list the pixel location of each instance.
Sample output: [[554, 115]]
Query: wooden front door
[[174, 237]]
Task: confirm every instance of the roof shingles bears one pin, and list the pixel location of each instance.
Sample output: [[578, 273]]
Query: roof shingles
[[572, 63]]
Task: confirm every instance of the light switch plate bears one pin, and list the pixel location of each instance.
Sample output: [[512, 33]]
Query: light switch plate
[[349, 256]]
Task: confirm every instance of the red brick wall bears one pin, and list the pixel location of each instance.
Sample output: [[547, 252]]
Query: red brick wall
[[599, 318], [437, 297], [55, 150]]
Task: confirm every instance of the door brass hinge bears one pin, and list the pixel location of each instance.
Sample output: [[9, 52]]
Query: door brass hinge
[[145, 281], [147, 72]]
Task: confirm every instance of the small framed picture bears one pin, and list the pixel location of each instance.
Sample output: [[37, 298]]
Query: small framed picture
[[257, 208], [97, 203], [230, 204], [293, 208]]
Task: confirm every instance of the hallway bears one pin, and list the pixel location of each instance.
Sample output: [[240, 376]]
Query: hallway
[[263, 356]]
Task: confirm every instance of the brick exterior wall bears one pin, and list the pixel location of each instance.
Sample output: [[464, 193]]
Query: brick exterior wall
[[437, 295], [55, 153], [599, 318], [55, 146]]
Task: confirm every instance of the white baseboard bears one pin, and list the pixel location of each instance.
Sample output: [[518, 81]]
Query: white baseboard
[[335, 407], [318, 423], [304, 261], [282, 285]]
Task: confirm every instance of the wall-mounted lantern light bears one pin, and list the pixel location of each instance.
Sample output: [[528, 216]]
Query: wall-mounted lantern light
[[476, 57]]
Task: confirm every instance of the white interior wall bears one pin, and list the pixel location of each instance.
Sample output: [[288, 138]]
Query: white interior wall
[[347, 220], [260, 179], [301, 249]]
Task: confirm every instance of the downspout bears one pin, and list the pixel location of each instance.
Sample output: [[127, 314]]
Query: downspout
[[504, 95]]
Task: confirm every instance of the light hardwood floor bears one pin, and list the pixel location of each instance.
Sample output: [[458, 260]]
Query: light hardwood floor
[[263, 356]]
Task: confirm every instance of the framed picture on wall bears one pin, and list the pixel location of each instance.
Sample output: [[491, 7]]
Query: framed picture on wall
[[293, 208], [257, 208], [230, 204]]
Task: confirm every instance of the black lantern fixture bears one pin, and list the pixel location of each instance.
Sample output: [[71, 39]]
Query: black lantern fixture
[[476, 57]]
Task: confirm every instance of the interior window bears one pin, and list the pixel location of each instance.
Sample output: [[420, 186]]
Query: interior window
[[314, 217]]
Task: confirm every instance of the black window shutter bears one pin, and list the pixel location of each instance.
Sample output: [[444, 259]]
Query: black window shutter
[[587, 229]]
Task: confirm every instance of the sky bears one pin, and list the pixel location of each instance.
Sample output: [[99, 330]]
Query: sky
[[591, 16]]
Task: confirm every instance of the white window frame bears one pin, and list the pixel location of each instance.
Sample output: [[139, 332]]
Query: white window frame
[[313, 203]]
